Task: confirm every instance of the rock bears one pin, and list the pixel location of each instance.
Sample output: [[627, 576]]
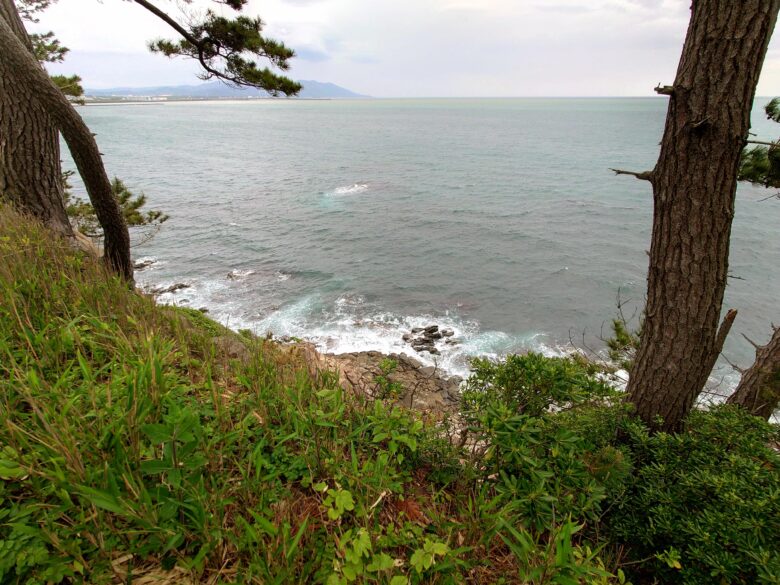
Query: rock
[[452, 341], [411, 362], [161, 290], [431, 329], [433, 351], [435, 335], [141, 264], [455, 380], [447, 332], [203, 310], [232, 346], [419, 389], [417, 330], [407, 337]]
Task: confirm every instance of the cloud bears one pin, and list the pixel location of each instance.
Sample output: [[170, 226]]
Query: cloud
[[565, 8], [419, 48], [313, 55]]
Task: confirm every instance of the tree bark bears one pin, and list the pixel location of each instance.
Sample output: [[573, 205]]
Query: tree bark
[[759, 389], [694, 186], [30, 173], [38, 88]]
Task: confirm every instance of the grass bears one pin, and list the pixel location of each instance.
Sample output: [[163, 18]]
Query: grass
[[137, 445], [133, 449]]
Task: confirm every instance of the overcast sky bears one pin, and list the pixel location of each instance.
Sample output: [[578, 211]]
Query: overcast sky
[[411, 48]]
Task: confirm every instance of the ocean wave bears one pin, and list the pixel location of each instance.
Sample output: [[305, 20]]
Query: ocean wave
[[351, 324], [237, 273], [353, 189]]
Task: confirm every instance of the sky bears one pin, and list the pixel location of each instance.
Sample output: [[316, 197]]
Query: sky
[[411, 48]]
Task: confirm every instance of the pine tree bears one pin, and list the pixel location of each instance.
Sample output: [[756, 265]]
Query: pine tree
[[226, 48], [694, 187], [758, 390]]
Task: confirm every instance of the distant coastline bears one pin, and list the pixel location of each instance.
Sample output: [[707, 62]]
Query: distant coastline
[[140, 101]]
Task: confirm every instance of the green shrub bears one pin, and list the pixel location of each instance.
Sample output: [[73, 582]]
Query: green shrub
[[704, 505], [531, 384]]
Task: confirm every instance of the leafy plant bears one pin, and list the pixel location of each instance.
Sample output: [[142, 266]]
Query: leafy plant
[[530, 384], [386, 388], [704, 505]]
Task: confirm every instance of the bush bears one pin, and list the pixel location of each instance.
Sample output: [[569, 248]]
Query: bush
[[704, 505], [531, 384]]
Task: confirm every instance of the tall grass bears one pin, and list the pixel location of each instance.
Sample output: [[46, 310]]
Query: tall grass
[[134, 449]]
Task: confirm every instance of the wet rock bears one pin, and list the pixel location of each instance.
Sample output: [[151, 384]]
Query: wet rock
[[141, 264], [417, 330], [203, 310], [407, 337], [429, 348], [447, 332], [161, 290], [431, 329]]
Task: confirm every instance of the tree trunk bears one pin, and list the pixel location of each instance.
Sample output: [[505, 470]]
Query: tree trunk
[[694, 185], [30, 173], [759, 389], [40, 90]]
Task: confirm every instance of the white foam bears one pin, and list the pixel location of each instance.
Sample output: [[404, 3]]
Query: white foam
[[345, 326], [238, 273], [350, 189]]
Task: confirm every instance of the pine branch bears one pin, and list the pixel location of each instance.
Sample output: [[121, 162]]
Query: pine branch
[[644, 175]]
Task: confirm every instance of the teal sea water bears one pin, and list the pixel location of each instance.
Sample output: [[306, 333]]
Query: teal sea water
[[349, 222]]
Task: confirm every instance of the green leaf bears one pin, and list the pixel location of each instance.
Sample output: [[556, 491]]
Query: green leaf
[[102, 500], [11, 470], [158, 433], [418, 560], [380, 562], [343, 500], [439, 548], [294, 545]]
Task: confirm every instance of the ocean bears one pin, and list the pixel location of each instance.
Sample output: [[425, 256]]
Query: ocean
[[349, 222]]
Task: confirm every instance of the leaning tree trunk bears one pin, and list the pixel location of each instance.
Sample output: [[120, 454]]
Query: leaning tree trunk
[[694, 186], [30, 173], [759, 389], [40, 90]]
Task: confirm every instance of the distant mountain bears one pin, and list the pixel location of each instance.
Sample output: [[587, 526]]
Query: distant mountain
[[217, 89]]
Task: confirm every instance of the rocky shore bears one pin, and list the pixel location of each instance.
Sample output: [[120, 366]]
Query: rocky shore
[[423, 388]]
